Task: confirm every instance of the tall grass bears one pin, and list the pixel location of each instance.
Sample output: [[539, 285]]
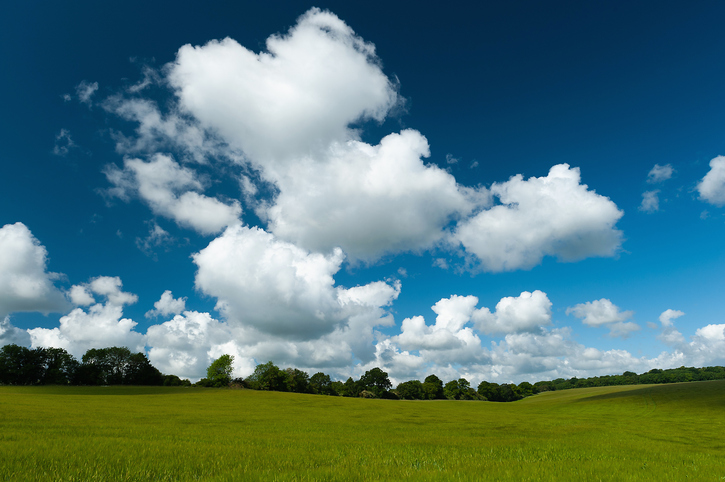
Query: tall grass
[[656, 432]]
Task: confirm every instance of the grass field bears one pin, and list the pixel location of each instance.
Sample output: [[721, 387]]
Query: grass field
[[651, 432]]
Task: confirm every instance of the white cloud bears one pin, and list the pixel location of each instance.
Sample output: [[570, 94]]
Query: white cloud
[[280, 289], [545, 216], [63, 143], [660, 174], [25, 285], [453, 313], [668, 315], [80, 295], [170, 191], [11, 335], [298, 96], [187, 344], [650, 201], [100, 326], [85, 91], [527, 312], [712, 186], [167, 305], [369, 200], [604, 313]]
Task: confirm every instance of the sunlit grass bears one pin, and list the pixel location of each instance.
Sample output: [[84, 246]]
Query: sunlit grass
[[655, 432]]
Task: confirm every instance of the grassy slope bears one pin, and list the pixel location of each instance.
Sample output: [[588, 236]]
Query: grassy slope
[[657, 432]]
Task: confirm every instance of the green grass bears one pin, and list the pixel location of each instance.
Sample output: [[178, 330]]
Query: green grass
[[650, 432]]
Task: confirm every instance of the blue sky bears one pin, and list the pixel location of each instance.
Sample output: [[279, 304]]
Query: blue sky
[[308, 183]]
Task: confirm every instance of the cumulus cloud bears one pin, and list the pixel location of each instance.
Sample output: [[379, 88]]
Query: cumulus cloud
[[170, 190], [80, 295], [279, 288], [100, 325], [660, 174], [527, 312], [545, 216], [167, 305], [650, 201], [299, 95], [604, 313], [25, 285], [188, 343], [11, 335], [668, 315], [369, 200], [453, 313], [712, 186]]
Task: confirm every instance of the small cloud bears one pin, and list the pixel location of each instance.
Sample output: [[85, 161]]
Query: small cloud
[[660, 174], [440, 263], [705, 214], [474, 164], [650, 201], [157, 237], [85, 91], [63, 143], [66, 97], [403, 272], [668, 315], [450, 159], [167, 305], [604, 313]]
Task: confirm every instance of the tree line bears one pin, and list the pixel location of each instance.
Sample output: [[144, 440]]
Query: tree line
[[20, 365], [118, 366]]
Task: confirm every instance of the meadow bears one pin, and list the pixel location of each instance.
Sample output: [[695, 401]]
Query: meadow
[[642, 432]]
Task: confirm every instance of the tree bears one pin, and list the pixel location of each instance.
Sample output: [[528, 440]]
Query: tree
[[375, 380], [105, 366], [351, 388], [490, 391], [268, 376], [433, 388], [411, 390], [140, 371], [297, 381], [59, 366], [458, 390], [219, 372], [320, 383]]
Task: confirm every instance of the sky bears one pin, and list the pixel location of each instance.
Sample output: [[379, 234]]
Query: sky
[[501, 191]]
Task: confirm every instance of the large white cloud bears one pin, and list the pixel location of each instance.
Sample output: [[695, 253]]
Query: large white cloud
[[542, 216], [712, 186], [167, 305], [188, 343], [279, 288], [298, 96], [99, 326], [25, 285], [604, 313], [11, 335], [369, 200], [171, 191], [527, 312]]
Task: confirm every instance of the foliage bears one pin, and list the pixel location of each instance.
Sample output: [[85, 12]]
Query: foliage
[[219, 372], [433, 388], [376, 381], [321, 384], [412, 390], [268, 377]]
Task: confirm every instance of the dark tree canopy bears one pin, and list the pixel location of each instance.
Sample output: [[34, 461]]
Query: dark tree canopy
[[219, 373], [376, 381]]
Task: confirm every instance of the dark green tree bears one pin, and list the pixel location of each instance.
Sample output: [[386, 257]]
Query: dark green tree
[[268, 376], [297, 381], [376, 380], [411, 390], [321, 384], [433, 388]]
